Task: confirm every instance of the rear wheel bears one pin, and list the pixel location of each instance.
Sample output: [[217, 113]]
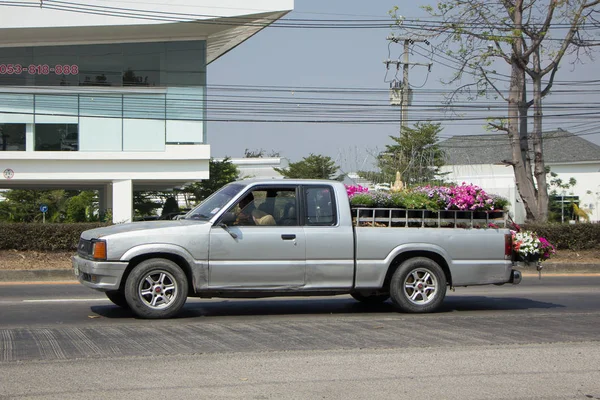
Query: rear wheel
[[418, 286], [156, 288], [118, 298], [370, 298]]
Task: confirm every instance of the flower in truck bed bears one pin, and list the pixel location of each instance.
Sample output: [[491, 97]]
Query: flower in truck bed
[[529, 246]]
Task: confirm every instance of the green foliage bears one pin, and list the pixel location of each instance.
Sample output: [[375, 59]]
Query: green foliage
[[42, 237], [311, 167], [145, 203], [569, 236], [419, 201], [63, 205], [220, 174], [363, 199], [260, 153], [415, 154], [80, 208], [500, 203]]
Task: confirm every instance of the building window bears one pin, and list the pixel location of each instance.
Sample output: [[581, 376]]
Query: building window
[[56, 137], [12, 137], [157, 64]]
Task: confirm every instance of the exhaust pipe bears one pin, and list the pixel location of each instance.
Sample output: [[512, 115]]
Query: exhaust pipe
[[515, 277]]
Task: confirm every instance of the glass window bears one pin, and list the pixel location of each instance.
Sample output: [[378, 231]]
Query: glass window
[[213, 204], [12, 137], [267, 207], [320, 206], [56, 137], [118, 64]]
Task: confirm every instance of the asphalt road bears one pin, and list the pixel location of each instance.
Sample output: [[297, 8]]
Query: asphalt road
[[539, 339]]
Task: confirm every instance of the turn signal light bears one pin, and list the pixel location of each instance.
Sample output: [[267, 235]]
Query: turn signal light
[[99, 250]]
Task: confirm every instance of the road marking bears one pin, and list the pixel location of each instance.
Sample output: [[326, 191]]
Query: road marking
[[17, 283], [60, 300]]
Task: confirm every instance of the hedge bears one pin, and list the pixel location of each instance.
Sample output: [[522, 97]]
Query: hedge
[[64, 237], [584, 236], [42, 237]]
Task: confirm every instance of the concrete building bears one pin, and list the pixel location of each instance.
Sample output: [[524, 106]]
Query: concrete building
[[480, 160], [113, 98], [260, 167]]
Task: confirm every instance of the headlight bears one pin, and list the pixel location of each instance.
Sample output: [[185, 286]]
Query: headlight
[[99, 250]]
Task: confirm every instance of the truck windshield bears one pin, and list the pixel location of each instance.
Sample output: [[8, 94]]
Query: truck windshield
[[212, 204]]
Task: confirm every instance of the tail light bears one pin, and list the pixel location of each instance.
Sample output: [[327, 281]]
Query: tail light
[[508, 246]]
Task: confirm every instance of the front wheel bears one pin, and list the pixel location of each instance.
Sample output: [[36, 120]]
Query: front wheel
[[156, 288], [118, 298], [418, 286]]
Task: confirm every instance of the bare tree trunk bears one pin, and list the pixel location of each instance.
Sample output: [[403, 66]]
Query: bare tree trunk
[[536, 138], [517, 132]]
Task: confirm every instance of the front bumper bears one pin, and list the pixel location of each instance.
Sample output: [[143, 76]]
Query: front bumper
[[99, 275]]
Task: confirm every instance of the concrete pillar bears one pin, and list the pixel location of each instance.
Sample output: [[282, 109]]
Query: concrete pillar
[[122, 201], [29, 138], [105, 199]]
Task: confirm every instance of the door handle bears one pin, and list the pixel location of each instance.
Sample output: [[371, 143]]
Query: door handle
[[288, 237]]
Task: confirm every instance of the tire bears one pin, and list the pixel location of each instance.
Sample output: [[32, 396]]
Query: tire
[[156, 288], [118, 298], [418, 286], [370, 299]]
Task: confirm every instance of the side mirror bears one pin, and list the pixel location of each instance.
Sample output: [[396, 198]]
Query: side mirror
[[228, 218]]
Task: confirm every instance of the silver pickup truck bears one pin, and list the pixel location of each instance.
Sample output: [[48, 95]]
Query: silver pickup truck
[[266, 238]]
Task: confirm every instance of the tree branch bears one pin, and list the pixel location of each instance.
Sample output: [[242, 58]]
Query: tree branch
[[568, 39], [492, 84], [538, 37], [498, 127]]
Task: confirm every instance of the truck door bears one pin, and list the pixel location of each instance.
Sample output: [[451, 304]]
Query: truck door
[[269, 249], [329, 243]]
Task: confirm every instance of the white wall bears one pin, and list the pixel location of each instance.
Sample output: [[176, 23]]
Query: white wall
[[176, 163], [260, 168]]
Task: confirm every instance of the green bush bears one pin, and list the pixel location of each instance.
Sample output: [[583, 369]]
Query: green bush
[[569, 236], [42, 237]]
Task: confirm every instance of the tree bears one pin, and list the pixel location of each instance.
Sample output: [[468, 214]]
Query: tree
[[478, 33], [145, 202], [311, 167], [220, 174], [22, 205], [170, 208], [415, 154], [261, 153], [81, 207]]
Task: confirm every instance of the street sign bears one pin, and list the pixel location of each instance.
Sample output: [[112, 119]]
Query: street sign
[[44, 208], [8, 173]]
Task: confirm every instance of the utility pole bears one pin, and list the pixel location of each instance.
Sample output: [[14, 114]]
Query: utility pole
[[401, 94]]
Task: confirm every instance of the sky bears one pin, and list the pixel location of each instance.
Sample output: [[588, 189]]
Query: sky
[[346, 59]]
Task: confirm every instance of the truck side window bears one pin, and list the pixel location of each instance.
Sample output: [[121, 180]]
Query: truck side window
[[320, 206], [267, 207]]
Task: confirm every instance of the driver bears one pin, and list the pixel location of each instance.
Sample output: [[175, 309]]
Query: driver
[[246, 207]]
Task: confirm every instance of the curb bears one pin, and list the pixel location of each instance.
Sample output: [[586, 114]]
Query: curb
[[50, 275], [560, 268], [42, 275]]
